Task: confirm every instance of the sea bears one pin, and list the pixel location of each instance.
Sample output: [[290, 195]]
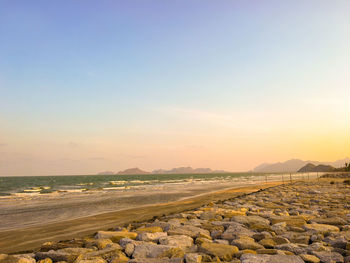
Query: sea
[[21, 185]]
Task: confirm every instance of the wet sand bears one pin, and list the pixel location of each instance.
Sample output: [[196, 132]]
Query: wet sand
[[126, 208]]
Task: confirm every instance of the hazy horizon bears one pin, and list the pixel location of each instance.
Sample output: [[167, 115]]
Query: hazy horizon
[[87, 87]]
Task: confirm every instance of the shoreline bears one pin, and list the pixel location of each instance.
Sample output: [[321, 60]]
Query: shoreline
[[29, 238]]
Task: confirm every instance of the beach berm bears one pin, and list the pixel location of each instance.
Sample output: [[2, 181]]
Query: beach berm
[[290, 223]]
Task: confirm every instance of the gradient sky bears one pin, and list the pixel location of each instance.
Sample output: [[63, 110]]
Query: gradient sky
[[88, 86]]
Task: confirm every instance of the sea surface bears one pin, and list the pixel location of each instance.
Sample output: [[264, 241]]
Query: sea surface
[[31, 185]]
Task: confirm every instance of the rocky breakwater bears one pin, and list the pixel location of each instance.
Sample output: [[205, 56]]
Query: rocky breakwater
[[299, 222]]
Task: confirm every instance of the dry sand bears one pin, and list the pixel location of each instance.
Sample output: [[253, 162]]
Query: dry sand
[[131, 207]]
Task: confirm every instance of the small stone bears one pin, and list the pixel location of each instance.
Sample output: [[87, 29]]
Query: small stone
[[224, 252], [129, 249], [251, 258], [267, 243], [46, 260], [17, 259], [115, 236], [177, 241], [193, 258], [310, 258], [119, 257], [153, 237], [149, 250], [92, 260], [329, 257], [99, 243], [320, 228], [269, 251], [152, 229], [295, 249], [246, 243], [66, 254]]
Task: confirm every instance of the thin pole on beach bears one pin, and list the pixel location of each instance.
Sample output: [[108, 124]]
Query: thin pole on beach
[[308, 176], [282, 179], [266, 178], [290, 177]]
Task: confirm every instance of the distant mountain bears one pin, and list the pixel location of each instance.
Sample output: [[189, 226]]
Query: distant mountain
[[309, 168], [179, 170], [294, 165], [132, 171], [187, 170]]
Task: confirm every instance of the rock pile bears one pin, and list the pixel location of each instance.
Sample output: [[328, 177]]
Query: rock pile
[[299, 222]]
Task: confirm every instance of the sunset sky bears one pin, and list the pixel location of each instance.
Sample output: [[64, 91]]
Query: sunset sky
[[88, 86]]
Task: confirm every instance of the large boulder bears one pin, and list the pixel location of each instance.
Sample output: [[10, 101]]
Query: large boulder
[[153, 237], [66, 254], [224, 252], [309, 258], [246, 243], [156, 260], [177, 241], [16, 259], [92, 260], [106, 253], [251, 258], [335, 221], [188, 230], [295, 249], [320, 228], [250, 220], [150, 229], [236, 230], [329, 257], [193, 258], [289, 220], [148, 250]]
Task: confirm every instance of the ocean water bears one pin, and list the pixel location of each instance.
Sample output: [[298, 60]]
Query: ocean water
[[47, 184], [78, 183]]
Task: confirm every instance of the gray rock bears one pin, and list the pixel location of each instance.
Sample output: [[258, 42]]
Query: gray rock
[[250, 220], [193, 258], [320, 228], [177, 241], [153, 237], [188, 230], [339, 242], [329, 257], [221, 241], [251, 258], [335, 221], [246, 243], [156, 260], [16, 259], [148, 250], [236, 230], [129, 249], [65, 254], [292, 248]]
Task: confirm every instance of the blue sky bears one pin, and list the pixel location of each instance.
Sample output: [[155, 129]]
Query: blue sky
[[153, 76]]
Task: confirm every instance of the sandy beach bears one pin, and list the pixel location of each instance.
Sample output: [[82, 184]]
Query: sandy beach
[[303, 221], [27, 222]]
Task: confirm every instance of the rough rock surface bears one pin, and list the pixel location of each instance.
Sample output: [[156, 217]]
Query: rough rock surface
[[290, 223]]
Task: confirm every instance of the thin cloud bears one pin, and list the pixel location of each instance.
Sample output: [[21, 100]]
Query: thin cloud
[[132, 156], [194, 146], [74, 144], [247, 121]]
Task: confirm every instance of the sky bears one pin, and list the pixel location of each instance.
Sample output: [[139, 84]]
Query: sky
[[89, 86]]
